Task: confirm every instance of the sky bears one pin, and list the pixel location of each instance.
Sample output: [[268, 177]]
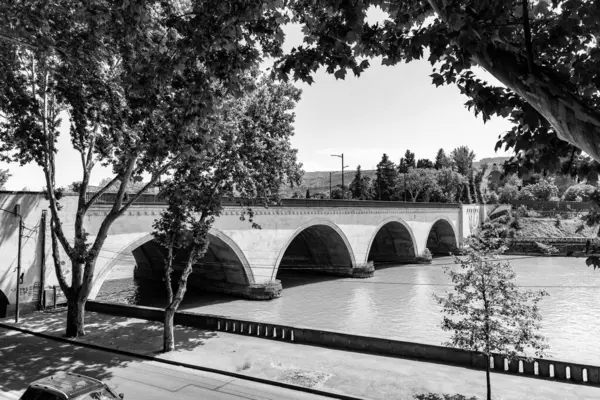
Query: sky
[[385, 110]]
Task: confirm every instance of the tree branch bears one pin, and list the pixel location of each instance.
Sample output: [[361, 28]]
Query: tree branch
[[150, 183], [527, 30], [100, 192], [60, 276], [572, 119], [49, 175]]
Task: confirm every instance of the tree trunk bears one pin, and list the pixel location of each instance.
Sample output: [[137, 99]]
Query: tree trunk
[[169, 331], [75, 317], [487, 377], [169, 336]]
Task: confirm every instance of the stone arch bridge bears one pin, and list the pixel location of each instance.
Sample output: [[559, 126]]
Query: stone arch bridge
[[341, 237]]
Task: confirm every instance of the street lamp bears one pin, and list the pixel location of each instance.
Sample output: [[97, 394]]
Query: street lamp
[[17, 213], [343, 166]]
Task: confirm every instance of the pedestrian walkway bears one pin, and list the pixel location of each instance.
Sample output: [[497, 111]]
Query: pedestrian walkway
[[336, 371], [27, 357]]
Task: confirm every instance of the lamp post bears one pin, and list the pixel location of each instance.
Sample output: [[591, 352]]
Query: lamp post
[[343, 166], [17, 213]]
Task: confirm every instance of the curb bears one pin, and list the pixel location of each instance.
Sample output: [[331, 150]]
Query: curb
[[182, 364]]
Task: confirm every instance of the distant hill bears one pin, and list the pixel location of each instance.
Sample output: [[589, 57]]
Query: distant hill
[[318, 181], [490, 160]]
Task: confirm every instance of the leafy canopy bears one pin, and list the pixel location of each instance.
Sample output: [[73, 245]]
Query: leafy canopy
[[545, 56]]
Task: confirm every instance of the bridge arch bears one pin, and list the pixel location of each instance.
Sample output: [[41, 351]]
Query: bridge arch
[[326, 244], [222, 249], [443, 237], [392, 241]]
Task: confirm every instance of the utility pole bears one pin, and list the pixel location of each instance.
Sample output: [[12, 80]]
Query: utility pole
[[18, 265], [343, 166]]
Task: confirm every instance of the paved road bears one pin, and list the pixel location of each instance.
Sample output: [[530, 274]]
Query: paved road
[[24, 358]]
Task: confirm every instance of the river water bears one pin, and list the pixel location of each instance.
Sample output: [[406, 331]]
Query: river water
[[398, 303]]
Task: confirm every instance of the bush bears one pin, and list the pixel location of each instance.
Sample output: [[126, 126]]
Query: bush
[[554, 198], [492, 198], [521, 211], [584, 191], [543, 190], [508, 193]]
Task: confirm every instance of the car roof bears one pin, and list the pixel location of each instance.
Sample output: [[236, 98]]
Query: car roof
[[68, 383]]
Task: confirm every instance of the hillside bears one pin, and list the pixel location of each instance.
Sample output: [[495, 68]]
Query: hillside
[[318, 181], [490, 160], [544, 227]]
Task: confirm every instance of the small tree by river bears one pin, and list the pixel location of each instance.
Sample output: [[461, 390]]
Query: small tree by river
[[250, 158], [488, 313]]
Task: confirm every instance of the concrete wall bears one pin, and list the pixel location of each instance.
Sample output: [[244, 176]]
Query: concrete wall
[[31, 206], [545, 368]]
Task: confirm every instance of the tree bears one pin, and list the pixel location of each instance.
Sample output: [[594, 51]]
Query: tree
[[385, 179], [137, 81], [402, 167], [449, 185], [308, 193], [409, 159], [580, 190], [488, 313], [337, 192], [543, 53], [511, 189], [4, 175], [424, 163], [441, 160], [418, 182], [463, 158], [251, 160], [360, 187]]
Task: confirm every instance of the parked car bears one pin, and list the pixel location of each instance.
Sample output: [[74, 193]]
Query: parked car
[[69, 386]]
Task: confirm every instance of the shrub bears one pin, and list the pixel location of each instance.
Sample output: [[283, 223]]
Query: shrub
[[426, 254], [584, 191], [492, 198], [508, 193], [544, 190], [554, 198], [521, 211]]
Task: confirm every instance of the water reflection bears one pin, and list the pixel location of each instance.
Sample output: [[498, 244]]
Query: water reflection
[[398, 303]]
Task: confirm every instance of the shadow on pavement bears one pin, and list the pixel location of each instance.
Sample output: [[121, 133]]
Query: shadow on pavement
[[25, 358], [435, 396]]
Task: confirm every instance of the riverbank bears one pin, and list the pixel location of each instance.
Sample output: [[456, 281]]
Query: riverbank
[[337, 371]]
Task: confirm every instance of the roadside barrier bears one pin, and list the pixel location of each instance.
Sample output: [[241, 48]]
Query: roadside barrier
[[537, 367]]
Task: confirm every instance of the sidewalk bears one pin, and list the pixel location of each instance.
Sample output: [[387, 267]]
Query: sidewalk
[[355, 374]]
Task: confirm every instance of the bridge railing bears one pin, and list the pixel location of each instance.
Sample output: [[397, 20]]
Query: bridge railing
[[151, 198]]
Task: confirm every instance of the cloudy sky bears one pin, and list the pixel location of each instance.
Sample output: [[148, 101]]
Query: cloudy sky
[[387, 109]]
